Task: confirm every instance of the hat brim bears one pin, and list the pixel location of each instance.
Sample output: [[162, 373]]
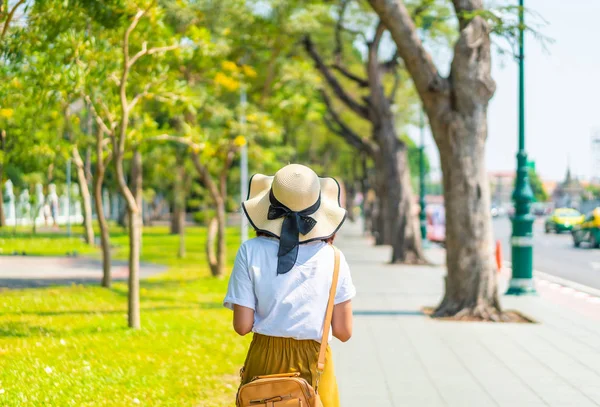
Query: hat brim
[[330, 216]]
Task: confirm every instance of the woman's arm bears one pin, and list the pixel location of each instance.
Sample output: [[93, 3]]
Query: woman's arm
[[341, 321], [243, 319]]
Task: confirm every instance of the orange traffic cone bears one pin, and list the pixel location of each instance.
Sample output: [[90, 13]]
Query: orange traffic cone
[[499, 255]]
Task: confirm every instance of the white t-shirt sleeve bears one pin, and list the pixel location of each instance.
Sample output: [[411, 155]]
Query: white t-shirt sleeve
[[240, 290], [345, 289]]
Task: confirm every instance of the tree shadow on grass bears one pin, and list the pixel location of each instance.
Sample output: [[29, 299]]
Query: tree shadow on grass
[[14, 329], [201, 305]]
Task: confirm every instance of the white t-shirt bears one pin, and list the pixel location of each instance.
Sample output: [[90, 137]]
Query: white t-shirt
[[290, 305]]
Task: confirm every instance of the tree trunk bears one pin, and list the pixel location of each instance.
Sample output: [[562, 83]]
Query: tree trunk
[[457, 111], [221, 251], [399, 216], [350, 198], [178, 214], [85, 195], [135, 228], [471, 289], [407, 247], [177, 218], [2, 216], [104, 232], [2, 147], [211, 256], [135, 241]]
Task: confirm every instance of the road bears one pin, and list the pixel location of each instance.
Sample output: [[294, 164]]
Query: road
[[555, 254]]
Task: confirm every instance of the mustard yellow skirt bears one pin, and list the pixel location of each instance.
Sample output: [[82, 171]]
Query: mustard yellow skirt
[[273, 355]]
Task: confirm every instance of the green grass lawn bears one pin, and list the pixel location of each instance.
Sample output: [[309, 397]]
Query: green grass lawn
[[70, 346]]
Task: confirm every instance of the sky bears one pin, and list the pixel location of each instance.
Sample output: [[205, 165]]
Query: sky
[[562, 93]]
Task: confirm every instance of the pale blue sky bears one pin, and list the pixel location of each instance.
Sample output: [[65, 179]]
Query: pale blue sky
[[562, 93]]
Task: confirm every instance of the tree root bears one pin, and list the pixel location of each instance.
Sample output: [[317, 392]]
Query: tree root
[[412, 259], [478, 312]]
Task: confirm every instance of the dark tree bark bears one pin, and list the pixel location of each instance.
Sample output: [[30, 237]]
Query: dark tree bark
[[396, 222], [457, 110], [178, 213], [101, 165]]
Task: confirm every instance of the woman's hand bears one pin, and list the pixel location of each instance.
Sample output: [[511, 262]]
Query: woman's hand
[[341, 322], [243, 319]]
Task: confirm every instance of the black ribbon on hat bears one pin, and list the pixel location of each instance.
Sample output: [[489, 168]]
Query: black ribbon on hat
[[294, 223]]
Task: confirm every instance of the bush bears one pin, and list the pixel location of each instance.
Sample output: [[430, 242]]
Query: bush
[[204, 216]]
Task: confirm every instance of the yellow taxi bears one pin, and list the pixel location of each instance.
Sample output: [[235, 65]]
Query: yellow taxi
[[588, 231], [563, 220]]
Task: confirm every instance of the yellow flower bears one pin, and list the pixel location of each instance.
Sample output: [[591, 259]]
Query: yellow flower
[[16, 83], [6, 113], [240, 141], [226, 31], [251, 118], [227, 82], [229, 66], [209, 150], [249, 71]]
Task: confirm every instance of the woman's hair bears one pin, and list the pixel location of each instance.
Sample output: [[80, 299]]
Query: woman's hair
[[329, 240]]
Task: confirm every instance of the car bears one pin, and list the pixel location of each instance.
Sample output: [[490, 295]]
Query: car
[[563, 220], [588, 231]]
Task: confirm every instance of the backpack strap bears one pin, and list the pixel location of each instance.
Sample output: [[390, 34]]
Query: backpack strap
[[329, 313]]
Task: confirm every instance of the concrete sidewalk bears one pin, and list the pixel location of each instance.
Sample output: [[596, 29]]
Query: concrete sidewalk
[[32, 271], [400, 357]]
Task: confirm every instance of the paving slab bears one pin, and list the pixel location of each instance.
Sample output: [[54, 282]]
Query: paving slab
[[400, 357]]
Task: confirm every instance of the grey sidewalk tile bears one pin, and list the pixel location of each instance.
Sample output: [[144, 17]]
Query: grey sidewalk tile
[[399, 357], [544, 381], [562, 362], [453, 381], [584, 352], [492, 374], [555, 315]]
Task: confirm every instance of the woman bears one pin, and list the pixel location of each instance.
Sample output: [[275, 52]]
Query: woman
[[281, 279]]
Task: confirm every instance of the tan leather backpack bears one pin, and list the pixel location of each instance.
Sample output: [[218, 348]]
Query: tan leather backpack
[[289, 389]]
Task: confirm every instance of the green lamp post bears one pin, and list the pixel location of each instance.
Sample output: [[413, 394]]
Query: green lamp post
[[426, 24], [522, 222]]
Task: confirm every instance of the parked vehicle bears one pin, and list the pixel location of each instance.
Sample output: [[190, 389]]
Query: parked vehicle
[[563, 220], [436, 223], [588, 231]]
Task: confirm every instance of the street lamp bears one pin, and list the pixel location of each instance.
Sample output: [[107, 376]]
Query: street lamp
[[522, 222], [426, 24]]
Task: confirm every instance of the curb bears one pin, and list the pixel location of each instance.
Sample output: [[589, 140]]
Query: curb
[[594, 292]]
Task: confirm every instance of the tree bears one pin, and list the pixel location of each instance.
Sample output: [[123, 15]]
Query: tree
[[398, 223], [457, 110], [116, 124], [8, 13], [539, 192], [102, 161]]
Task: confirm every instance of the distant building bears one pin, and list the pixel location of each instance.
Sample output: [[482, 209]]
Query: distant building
[[502, 185], [595, 151], [568, 193]]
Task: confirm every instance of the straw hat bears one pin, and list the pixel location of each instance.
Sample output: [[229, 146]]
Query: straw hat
[[297, 188]]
